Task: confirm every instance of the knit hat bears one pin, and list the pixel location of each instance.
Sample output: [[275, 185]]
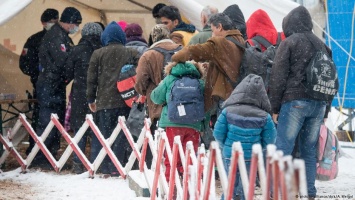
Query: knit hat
[[134, 33], [71, 15], [159, 32], [49, 14], [122, 24], [91, 28]]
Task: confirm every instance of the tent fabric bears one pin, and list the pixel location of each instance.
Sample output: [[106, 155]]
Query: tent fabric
[[10, 8]]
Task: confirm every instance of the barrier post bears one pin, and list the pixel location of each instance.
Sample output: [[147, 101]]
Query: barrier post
[[144, 153], [232, 171], [173, 168], [276, 171], [210, 168], [186, 169], [201, 157], [157, 169], [253, 170], [271, 149]]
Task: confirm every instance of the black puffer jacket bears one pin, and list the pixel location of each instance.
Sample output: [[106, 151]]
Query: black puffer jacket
[[53, 53], [288, 73], [76, 68]]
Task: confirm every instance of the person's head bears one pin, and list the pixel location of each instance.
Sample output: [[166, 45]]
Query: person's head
[[92, 29], [70, 20], [134, 32], [159, 32], [122, 24], [155, 12], [236, 15], [113, 33], [206, 13], [170, 16], [101, 24], [220, 23], [49, 17]]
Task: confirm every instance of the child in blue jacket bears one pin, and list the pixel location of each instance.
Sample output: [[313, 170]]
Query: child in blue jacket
[[245, 118]]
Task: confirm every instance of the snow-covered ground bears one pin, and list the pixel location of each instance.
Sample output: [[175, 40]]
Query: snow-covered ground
[[36, 185]]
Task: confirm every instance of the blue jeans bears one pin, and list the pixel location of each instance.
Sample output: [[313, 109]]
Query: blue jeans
[[301, 119], [238, 192]]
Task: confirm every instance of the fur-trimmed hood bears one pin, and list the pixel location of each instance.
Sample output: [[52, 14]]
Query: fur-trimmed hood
[[188, 68]]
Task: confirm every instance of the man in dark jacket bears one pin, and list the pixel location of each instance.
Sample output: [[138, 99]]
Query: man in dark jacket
[[51, 84], [237, 17], [29, 60], [297, 114], [102, 94], [180, 32], [76, 68]]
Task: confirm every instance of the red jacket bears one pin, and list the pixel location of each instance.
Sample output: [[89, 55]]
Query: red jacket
[[259, 23]]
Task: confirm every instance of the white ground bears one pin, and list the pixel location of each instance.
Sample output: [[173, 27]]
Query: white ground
[[36, 185]]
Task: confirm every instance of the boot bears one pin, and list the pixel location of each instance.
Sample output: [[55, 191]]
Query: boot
[[78, 168]]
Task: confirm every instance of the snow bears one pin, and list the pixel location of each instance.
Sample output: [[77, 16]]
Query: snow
[[50, 185]]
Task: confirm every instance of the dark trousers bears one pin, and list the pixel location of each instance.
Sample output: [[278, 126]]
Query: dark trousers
[[35, 116], [107, 120]]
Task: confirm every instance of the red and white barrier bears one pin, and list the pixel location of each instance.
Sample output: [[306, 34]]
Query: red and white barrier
[[285, 177]]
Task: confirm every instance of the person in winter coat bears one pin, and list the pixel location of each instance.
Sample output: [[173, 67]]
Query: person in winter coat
[[147, 78], [245, 118], [294, 111], [237, 17], [180, 32], [77, 66], [102, 94], [161, 95], [224, 59], [259, 24], [135, 39], [51, 85], [29, 61], [206, 32]]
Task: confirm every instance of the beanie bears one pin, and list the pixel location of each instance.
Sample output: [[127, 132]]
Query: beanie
[[91, 28], [122, 24], [133, 30], [159, 32], [49, 14], [71, 15]]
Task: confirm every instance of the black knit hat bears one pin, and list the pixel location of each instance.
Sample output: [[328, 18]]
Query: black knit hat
[[49, 14], [71, 15]]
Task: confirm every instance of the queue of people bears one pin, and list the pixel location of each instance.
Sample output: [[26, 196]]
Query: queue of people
[[247, 112]]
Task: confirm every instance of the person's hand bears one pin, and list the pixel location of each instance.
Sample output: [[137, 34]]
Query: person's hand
[[275, 118], [92, 107]]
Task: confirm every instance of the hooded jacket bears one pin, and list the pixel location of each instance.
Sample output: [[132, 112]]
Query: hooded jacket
[[76, 69], [161, 94], [245, 118], [147, 77], [260, 24], [224, 63], [288, 73], [237, 17], [202, 36], [105, 66], [183, 33]]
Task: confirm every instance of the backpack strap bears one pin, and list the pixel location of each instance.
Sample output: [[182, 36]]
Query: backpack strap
[[278, 41], [238, 44], [260, 39]]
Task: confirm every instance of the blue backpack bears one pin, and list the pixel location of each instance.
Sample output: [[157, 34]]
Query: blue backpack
[[186, 103]]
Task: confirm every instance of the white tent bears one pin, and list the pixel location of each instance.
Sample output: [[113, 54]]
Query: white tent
[[20, 18]]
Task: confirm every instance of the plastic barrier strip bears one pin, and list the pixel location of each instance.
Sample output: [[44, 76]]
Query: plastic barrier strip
[[9, 147], [74, 146], [172, 171], [210, 166], [186, 172], [232, 172], [157, 169], [107, 148]]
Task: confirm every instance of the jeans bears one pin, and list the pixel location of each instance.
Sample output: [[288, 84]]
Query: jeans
[[107, 121], [302, 119], [238, 192]]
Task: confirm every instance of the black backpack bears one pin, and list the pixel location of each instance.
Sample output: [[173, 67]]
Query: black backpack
[[254, 61], [167, 55], [321, 75], [186, 102]]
